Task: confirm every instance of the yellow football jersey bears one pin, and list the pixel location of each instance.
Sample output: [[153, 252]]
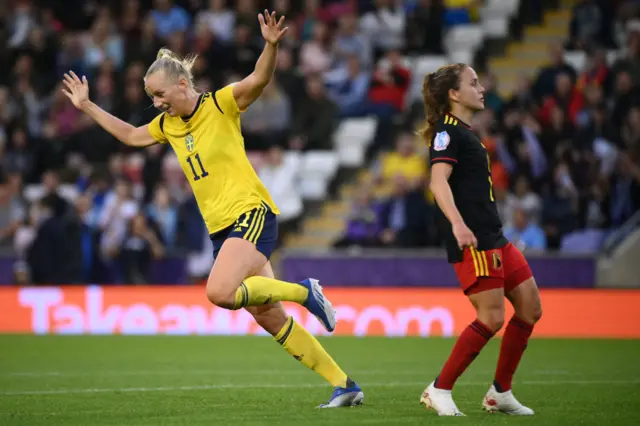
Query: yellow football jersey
[[210, 147]]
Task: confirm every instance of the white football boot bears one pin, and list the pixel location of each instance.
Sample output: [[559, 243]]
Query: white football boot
[[439, 400], [504, 402]]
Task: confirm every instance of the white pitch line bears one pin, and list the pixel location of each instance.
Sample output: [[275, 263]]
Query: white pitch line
[[218, 372], [292, 385]]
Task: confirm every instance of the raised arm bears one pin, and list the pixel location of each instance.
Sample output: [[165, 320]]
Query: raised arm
[[249, 89], [78, 92]]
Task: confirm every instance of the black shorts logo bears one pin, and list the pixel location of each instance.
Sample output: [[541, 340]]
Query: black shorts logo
[[497, 261]]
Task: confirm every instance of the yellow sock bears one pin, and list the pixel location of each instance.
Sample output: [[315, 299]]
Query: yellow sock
[[306, 349], [261, 291]]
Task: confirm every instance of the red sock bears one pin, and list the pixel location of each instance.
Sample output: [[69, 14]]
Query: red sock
[[467, 348], [514, 342]]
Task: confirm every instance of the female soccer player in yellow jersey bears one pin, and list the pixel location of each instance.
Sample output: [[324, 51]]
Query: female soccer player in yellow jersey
[[204, 131]]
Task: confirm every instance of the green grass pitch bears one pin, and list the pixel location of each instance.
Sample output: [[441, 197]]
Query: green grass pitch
[[210, 380]]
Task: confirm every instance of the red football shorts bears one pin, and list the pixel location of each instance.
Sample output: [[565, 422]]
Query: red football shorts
[[504, 267]]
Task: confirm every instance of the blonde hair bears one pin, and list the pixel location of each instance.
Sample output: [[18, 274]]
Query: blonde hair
[[173, 66]]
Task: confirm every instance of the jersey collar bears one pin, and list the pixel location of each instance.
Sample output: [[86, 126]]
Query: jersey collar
[[461, 122], [188, 117]]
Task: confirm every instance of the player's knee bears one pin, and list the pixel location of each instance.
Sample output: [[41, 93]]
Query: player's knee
[[494, 319], [220, 297], [536, 314], [531, 313]]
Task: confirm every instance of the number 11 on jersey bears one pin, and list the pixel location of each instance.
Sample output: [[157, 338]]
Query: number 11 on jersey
[[203, 172]]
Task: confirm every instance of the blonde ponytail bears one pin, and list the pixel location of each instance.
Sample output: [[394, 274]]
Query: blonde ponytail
[[173, 66]]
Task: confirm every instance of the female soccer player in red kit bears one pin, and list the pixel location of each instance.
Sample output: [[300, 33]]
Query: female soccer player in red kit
[[488, 267]]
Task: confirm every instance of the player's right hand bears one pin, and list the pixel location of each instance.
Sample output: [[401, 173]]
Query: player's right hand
[[77, 91], [464, 236]]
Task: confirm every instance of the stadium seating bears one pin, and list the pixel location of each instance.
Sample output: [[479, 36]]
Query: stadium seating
[[319, 167], [352, 138]]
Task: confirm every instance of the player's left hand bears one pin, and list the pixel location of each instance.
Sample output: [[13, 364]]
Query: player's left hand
[[272, 31]]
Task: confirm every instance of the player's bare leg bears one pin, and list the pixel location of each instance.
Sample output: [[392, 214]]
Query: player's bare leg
[[525, 299], [306, 349], [489, 305], [235, 283]]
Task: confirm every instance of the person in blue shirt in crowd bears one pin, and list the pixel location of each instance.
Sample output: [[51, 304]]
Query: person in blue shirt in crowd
[[524, 234]]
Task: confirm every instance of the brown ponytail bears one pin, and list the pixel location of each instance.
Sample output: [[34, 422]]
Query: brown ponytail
[[435, 94]]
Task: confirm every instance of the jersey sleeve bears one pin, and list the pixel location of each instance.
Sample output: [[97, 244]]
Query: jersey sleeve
[[444, 146], [225, 101], [156, 128]]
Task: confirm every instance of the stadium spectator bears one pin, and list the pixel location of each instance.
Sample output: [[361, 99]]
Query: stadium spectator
[[102, 43], [307, 19], [630, 133], [140, 246], [525, 200], [49, 256], [424, 27], [556, 134], [483, 126], [404, 216], [562, 98], [587, 24], [389, 86], [560, 206], [130, 17], [19, 158], [592, 83], [460, 12], [268, 120], [522, 97], [13, 209], [280, 177], [363, 223], [289, 78], [630, 62], [246, 16], [142, 45], [192, 237], [625, 190], [164, 214], [521, 150], [119, 207], [405, 161], [152, 169], [22, 22], [315, 55], [527, 236], [314, 122], [626, 94], [385, 26], [245, 53], [349, 41], [82, 242], [220, 20], [492, 98], [169, 18], [546, 82], [348, 89]]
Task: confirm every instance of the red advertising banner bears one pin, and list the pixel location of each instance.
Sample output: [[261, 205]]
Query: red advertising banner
[[360, 312]]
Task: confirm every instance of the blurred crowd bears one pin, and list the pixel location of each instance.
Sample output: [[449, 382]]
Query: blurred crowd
[[78, 206], [564, 149]]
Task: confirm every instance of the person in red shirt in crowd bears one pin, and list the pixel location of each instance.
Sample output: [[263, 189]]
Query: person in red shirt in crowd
[[390, 82]]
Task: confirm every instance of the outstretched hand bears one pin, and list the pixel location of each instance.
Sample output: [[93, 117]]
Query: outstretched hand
[[272, 31], [77, 90]]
